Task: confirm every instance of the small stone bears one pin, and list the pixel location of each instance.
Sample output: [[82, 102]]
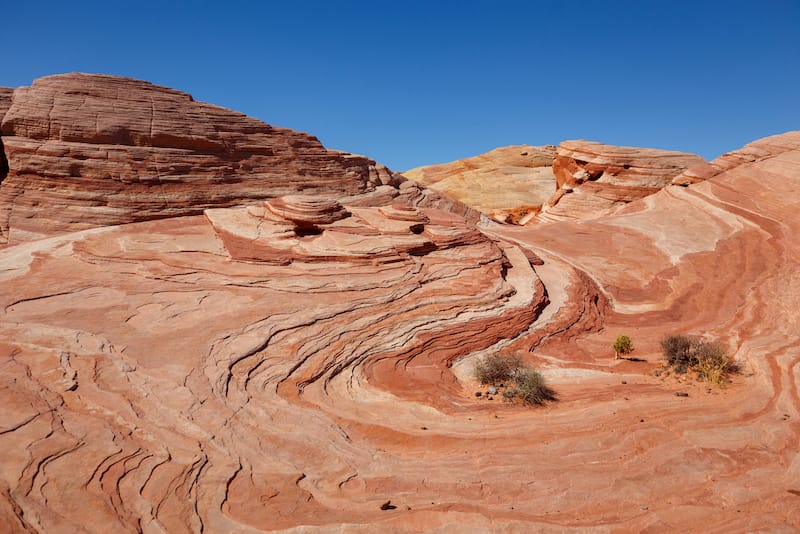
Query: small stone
[[492, 390], [624, 381], [490, 398], [644, 507], [681, 394], [478, 393], [388, 506], [424, 427]]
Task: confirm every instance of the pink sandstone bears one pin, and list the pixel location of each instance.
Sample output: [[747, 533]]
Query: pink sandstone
[[508, 183], [241, 370], [91, 150], [592, 178]]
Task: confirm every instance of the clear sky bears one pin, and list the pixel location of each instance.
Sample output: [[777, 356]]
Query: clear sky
[[417, 82]]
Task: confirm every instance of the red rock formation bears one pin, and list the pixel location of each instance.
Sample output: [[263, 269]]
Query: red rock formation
[[5, 100], [155, 378], [756, 151], [592, 178], [299, 362], [92, 150], [508, 184], [161, 376]]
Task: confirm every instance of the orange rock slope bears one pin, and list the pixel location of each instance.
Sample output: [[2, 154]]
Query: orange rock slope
[[304, 363], [577, 180], [508, 184]]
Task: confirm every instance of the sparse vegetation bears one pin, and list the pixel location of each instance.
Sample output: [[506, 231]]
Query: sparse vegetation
[[532, 388], [677, 351], [496, 369], [708, 359], [622, 346], [517, 380]]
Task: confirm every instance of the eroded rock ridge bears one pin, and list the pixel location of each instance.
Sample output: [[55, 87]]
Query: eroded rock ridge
[[84, 151]]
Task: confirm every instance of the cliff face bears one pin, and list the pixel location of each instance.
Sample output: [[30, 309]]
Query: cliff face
[[92, 150]]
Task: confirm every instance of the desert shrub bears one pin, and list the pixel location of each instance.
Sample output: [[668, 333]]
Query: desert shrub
[[708, 359], [496, 369], [622, 345], [520, 382], [532, 388], [677, 351], [711, 362]]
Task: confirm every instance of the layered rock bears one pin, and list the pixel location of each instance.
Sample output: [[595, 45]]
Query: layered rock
[[301, 229], [305, 362], [5, 100], [93, 150], [508, 184], [753, 152], [592, 178], [171, 375]]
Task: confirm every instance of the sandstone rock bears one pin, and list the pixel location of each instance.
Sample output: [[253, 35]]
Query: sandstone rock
[[93, 150], [297, 229], [307, 212], [5, 100], [235, 372], [756, 151], [192, 361], [592, 178], [507, 183]]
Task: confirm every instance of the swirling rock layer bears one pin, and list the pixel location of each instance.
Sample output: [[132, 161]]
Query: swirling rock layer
[[304, 363], [154, 381]]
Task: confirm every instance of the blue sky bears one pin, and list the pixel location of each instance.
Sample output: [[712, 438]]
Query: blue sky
[[418, 82]]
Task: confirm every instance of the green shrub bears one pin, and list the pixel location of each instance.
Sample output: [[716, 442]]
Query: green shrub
[[496, 369], [622, 345]]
